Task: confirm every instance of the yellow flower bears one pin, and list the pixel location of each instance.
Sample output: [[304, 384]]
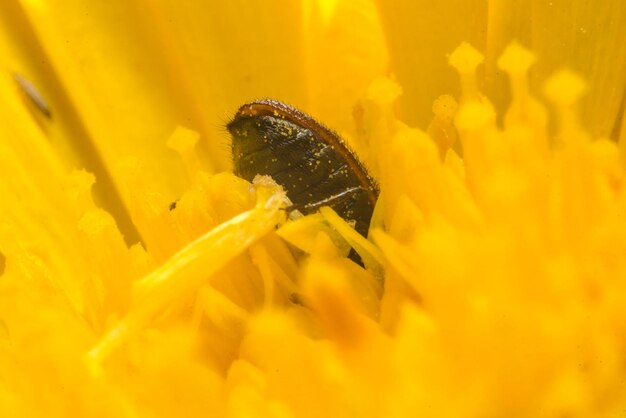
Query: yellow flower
[[495, 279]]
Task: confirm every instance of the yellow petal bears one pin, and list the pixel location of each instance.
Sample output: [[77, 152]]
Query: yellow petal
[[419, 35], [187, 269]]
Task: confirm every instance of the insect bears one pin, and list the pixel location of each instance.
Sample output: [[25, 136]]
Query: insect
[[315, 167], [33, 95]]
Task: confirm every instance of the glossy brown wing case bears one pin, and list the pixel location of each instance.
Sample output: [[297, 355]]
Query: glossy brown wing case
[[311, 162]]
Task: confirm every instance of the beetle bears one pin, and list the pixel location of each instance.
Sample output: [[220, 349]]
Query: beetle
[[312, 163]]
